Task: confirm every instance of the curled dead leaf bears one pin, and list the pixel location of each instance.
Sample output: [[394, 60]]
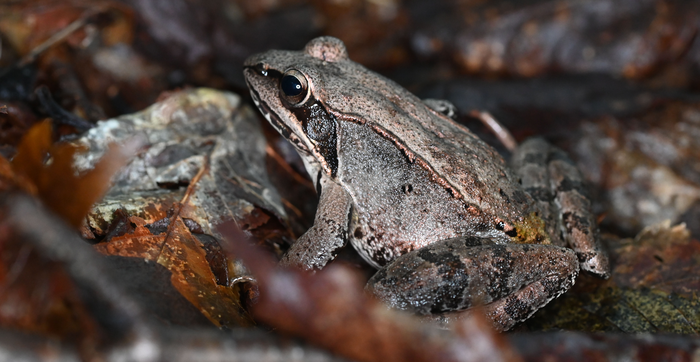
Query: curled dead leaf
[[46, 171]]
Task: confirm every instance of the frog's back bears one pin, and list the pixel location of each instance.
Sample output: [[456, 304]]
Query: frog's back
[[398, 206], [453, 157]]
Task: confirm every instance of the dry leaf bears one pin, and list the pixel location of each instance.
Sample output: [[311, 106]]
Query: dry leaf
[[48, 173], [205, 162], [654, 288], [182, 253]]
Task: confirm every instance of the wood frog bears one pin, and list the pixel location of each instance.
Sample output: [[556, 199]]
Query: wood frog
[[439, 212]]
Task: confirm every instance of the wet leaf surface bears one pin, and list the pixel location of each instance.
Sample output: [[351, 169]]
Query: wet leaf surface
[[653, 288]]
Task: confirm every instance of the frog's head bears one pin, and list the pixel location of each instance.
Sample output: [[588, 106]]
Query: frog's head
[[288, 87]]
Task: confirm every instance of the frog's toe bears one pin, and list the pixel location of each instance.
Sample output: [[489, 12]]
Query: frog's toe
[[595, 262]]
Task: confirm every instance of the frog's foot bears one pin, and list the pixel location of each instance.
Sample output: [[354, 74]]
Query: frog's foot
[[511, 281], [556, 185]]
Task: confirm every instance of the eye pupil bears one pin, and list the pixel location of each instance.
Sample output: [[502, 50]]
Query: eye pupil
[[294, 88], [291, 86]]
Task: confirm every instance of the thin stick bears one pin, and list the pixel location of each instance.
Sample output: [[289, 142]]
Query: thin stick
[[501, 132], [58, 37]]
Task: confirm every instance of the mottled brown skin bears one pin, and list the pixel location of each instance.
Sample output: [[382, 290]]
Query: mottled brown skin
[[421, 197], [556, 185]]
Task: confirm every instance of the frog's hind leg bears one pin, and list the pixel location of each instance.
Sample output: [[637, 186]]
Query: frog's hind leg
[[530, 163], [511, 281], [557, 186]]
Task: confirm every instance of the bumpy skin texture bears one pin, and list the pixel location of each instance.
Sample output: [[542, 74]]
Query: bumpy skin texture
[[456, 274], [330, 225], [401, 181], [556, 185]]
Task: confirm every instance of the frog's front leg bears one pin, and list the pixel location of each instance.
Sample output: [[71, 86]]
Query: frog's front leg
[[317, 246], [511, 281]]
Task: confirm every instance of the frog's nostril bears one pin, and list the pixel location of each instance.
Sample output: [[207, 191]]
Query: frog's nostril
[[261, 68], [358, 233]]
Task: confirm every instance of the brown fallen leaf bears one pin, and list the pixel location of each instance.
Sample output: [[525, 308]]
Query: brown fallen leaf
[[331, 310], [205, 166], [37, 295], [16, 119], [654, 288], [661, 257], [126, 329], [185, 256], [46, 171]]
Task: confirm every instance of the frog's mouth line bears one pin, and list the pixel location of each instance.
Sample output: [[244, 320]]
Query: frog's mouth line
[[273, 118], [264, 81], [270, 115]]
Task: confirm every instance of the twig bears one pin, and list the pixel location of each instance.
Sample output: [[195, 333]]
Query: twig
[[58, 37], [58, 114], [501, 132]]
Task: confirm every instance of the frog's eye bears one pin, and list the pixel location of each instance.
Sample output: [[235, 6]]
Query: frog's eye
[[294, 87]]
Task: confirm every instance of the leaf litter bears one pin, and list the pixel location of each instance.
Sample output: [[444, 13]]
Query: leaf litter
[[202, 162], [653, 288]]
